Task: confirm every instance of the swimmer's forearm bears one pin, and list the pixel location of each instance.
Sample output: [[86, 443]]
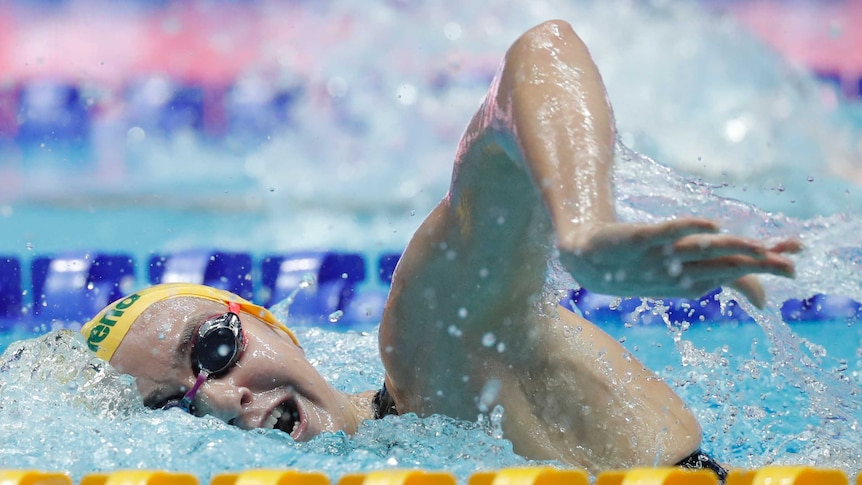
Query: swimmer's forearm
[[560, 117]]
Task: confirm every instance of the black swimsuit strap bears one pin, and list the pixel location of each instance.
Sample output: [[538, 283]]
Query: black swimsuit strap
[[701, 461], [383, 404]]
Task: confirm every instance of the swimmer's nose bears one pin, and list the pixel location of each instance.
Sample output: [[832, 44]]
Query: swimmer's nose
[[225, 401]]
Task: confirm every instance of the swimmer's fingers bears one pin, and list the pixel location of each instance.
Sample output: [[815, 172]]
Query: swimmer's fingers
[[670, 232], [730, 268], [751, 289], [788, 246], [710, 246], [749, 286]]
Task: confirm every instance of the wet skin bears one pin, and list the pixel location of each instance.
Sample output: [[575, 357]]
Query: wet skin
[[531, 183], [271, 385]]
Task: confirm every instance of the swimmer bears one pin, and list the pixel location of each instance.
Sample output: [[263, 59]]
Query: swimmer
[[531, 183]]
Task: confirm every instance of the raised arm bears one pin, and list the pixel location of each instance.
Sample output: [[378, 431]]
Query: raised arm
[[551, 99], [470, 322]]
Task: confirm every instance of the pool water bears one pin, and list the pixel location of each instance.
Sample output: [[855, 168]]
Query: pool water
[[362, 170], [762, 400]]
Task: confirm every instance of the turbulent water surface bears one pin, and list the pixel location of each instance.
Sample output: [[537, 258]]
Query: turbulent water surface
[[690, 90]]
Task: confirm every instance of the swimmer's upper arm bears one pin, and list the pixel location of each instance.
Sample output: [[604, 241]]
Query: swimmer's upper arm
[[467, 309], [478, 262]]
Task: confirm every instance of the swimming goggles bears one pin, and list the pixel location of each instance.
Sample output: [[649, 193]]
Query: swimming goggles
[[215, 347]]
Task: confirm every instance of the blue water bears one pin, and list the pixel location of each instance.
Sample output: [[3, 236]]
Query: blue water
[[757, 408], [361, 173]]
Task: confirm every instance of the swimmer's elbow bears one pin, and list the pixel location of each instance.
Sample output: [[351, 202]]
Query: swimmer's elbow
[[552, 34]]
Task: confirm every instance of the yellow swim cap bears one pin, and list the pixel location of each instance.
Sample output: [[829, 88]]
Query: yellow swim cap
[[107, 329]]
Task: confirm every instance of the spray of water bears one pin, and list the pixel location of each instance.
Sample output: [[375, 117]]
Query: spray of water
[[383, 107]]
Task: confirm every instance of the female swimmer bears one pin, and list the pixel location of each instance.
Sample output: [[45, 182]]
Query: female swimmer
[[531, 183]]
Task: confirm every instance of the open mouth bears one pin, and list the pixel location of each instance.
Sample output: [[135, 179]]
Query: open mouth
[[286, 417]]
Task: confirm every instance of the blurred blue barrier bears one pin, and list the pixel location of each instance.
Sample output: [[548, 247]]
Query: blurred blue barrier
[[604, 308], [707, 308], [225, 270], [161, 106], [326, 286], [256, 110], [52, 113], [8, 112], [386, 266], [73, 287], [609, 309], [821, 307], [832, 79], [11, 296], [321, 283], [364, 307]]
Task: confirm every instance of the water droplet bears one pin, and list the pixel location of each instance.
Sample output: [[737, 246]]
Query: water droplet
[[462, 312], [308, 281], [489, 394], [136, 134], [483, 273], [452, 30], [488, 339], [407, 94], [335, 316], [674, 267], [29, 246]]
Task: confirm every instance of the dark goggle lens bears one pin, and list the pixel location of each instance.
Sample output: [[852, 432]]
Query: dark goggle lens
[[218, 344]]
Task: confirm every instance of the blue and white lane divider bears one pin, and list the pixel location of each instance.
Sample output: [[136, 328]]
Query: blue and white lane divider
[[336, 287]]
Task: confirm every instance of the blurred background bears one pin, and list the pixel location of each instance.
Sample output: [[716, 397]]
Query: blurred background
[[152, 126], [259, 145]]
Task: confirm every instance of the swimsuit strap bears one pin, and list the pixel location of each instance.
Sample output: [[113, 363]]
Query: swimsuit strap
[[701, 461], [383, 404]]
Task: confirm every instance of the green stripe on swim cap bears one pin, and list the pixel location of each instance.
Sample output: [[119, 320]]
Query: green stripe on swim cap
[[108, 328]]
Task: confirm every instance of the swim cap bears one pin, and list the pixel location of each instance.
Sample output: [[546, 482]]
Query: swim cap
[[107, 329]]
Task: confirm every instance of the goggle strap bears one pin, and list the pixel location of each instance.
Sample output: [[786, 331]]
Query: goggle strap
[[236, 308], [189, 396]]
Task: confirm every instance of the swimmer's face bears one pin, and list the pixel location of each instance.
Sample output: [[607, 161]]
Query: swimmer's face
[[271, 385]]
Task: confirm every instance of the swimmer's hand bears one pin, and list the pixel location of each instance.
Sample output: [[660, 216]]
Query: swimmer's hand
[[682, 258]]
